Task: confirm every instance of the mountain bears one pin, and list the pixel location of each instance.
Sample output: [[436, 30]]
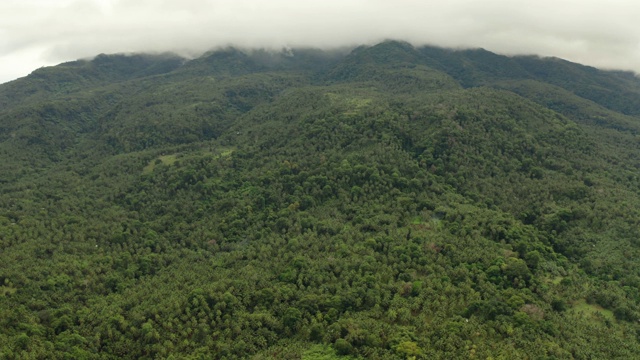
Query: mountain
[[385, 202]]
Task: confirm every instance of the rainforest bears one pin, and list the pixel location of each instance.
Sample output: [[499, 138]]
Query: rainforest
[[380, 202]]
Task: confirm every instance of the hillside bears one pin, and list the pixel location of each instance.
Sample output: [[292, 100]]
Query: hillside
[[388, 202]]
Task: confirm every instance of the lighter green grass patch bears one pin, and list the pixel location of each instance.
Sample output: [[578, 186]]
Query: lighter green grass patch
[[172, 158], [164, 159], [592, 311], [352, 105], [7, 290], [556, 280]]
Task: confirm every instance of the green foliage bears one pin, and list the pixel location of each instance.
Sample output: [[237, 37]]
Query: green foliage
[[343, 347], [393, 202]]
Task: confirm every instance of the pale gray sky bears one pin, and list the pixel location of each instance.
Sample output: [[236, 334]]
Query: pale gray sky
[[35, 33]]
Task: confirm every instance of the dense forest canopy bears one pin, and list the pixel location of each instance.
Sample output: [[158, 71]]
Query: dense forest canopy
[[389, 202]]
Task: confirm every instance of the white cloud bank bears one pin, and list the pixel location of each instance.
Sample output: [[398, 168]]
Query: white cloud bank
[[34, 33]]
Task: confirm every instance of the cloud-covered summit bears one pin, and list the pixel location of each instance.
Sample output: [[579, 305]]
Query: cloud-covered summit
[[34, 33]]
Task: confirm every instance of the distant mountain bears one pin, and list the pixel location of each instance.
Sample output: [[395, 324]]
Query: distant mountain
[[385, 202]]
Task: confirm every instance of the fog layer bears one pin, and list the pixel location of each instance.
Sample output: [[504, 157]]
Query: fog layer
[[34, 33]]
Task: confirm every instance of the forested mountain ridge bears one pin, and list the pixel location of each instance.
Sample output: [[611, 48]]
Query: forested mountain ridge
[[386, 202]]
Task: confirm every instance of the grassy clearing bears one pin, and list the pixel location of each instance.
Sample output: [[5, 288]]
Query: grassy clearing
[[592, 311], [164, 159], [352, 105], [554, 280], [172, 158], [7, 290]]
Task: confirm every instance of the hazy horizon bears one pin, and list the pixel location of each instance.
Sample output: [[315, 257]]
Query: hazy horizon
[[40, 33]]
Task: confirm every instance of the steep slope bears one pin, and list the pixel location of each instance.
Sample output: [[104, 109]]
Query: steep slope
[[392, 202], [78, 76], [475, 67], [397, 67], [616, 90]]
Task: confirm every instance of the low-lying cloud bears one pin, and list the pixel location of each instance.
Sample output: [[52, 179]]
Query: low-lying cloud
[[34, 33]]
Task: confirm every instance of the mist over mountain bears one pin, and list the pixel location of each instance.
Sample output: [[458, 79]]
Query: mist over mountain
[[40, 33], [388, 201]]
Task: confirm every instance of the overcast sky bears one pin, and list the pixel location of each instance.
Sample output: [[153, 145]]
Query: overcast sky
[[35, 33]]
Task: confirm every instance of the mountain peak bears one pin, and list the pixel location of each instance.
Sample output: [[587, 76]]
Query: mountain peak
[[391, 52]]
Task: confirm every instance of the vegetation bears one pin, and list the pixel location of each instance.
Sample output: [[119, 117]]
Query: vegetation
[[388, 203]]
